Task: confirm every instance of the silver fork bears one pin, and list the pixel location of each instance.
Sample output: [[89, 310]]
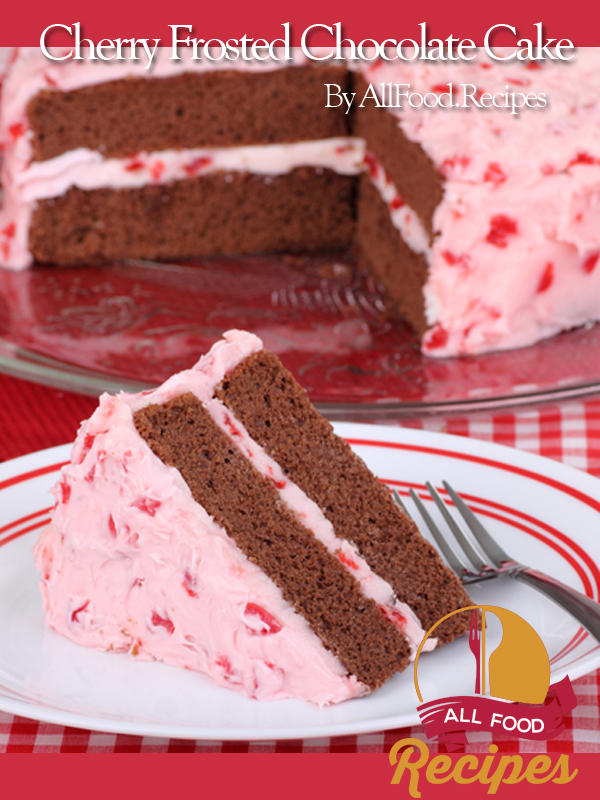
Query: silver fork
[[582, 608]]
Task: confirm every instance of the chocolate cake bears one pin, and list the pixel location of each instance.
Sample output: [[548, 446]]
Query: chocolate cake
[[478, 216], [218, 523]]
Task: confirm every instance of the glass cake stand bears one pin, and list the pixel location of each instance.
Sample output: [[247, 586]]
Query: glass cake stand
[[131, 325]]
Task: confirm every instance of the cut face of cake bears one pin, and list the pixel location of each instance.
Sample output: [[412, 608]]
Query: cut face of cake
[[483, 223], [217, 523], [106, 160]]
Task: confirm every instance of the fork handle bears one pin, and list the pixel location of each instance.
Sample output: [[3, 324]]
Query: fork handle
[[585, 610]]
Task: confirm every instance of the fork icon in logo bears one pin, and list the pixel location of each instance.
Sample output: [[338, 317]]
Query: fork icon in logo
[[477, 645]]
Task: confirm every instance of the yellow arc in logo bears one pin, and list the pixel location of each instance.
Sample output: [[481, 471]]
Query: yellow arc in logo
[[519, 668]]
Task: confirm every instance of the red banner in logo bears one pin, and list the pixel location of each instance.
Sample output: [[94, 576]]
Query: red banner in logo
[[448, 719]]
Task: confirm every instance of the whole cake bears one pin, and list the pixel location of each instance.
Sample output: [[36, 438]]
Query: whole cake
[[218, 524], [480, 220]]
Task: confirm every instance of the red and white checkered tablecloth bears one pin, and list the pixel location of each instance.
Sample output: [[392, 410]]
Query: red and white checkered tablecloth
[[34, 417]]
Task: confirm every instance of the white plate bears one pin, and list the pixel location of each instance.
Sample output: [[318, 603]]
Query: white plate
[[543, 513]]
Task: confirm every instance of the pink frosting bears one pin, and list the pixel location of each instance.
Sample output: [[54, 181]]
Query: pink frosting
[[132, 563], [516, 236]]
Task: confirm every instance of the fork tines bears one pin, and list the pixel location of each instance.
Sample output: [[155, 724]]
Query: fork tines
[[473, 556], [478, 545]]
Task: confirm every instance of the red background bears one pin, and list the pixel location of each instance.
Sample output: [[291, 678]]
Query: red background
[[23, 23], [291, 776]]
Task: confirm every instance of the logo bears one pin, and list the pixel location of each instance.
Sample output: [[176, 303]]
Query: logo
[[512, 694], [521, 700]]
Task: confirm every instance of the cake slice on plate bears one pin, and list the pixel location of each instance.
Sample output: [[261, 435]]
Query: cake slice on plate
[[217, 523]]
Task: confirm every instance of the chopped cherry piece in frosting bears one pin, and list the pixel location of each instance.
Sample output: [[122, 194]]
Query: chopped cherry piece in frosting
[[162, 622], [394, 616], [147, 505], [547, 278], [437, 337], [88, 441], [279, 484], [268, 621], [453, 260], [8, 232], [371, 163], [231, 427], [397, 202], [190, 584], [225, 663], [78, 611], [197, 164], [583, 158], [134, 165], [156, 170], [65, 491], [347, 560], [16, 130], [494, 174], [501, 227], [449, 164], [112, 528], [590, 263]]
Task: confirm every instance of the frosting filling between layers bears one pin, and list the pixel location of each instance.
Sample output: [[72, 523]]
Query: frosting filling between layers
[[278, 415], [404, 218], [212, 368], [311, 517], [88, 170]]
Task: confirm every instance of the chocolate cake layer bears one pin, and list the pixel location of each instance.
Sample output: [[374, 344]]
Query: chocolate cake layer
[[207, 109], [181, 433], [410, 168], [278, 415], [402, 271], [306, 209]]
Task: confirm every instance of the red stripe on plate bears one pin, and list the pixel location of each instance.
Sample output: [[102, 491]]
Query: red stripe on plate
[[25, 519], [576, 660], [16, 535], [26, 476], [575, 642], [562, 487]]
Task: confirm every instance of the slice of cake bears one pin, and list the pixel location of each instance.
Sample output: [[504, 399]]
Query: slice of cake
[[217, 523], [482, 215]]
